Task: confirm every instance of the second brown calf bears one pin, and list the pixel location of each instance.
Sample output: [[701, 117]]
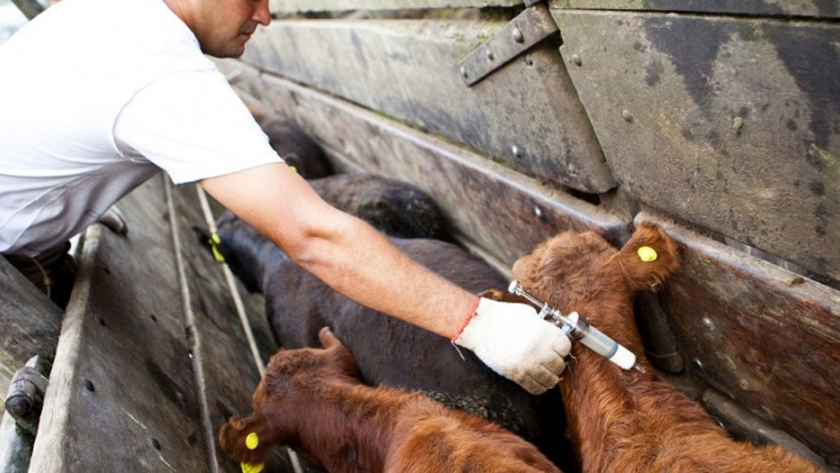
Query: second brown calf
[[312, 400], [630, 421]]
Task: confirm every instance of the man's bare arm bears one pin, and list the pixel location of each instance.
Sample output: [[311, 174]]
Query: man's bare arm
[[346, 253]]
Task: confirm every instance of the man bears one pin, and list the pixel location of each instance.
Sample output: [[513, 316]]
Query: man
[[96, 96]]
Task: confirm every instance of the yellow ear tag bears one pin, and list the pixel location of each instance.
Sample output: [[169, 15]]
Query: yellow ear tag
[[252, 441], [215, 241], [248, 468], [293, 168], [647, 254]]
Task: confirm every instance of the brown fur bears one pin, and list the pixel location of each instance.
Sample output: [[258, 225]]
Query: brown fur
[[629, 421], [313, 400]]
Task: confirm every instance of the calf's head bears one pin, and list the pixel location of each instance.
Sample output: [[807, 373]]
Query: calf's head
[[291, 380], [582, 272]]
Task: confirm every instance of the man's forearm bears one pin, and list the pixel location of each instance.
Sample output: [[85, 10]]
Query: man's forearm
[[364, 266]]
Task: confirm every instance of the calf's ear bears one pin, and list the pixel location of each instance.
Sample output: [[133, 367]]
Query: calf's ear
[[328, 338], [338, 356], [649, 257]]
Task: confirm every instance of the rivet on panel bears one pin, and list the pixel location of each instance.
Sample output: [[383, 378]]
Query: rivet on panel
[[576, 60], [628, 117], [517, 35]]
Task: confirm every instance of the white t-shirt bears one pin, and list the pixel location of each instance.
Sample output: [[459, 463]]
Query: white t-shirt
[[97, 96]]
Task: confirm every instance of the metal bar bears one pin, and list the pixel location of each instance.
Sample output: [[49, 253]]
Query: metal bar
[[527, 29]]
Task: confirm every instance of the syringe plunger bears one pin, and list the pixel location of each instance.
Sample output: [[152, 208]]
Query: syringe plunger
[[577, 328]]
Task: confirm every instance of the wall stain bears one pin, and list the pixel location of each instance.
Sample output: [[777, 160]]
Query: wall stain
[[692, 45], [814, 63], [654, 71]]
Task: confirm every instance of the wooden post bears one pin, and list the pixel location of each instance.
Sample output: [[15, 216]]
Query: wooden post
[[29, 8], [29, 323]]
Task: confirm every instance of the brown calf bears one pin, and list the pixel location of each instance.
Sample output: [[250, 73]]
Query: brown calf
[[629, 421], [312, 400]]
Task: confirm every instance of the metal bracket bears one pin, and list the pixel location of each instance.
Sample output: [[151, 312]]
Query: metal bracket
[[527, 29]]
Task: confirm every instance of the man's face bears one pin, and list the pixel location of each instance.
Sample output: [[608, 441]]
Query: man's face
[[224, 26]]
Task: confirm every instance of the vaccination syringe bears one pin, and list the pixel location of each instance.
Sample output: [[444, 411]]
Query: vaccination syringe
[[576, 328]]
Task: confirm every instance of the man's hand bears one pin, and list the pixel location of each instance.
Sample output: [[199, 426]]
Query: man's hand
[[512, 340]]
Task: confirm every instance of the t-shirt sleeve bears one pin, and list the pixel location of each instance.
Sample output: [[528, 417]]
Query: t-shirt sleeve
[[193, 126]]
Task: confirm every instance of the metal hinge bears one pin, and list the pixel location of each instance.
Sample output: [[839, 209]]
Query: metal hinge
[[527, 29]]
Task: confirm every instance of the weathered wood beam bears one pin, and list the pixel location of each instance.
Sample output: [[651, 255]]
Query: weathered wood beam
[[775, 8], [526, 114], [303, 6]]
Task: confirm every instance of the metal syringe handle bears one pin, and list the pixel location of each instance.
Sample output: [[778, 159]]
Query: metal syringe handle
[[577, 328]]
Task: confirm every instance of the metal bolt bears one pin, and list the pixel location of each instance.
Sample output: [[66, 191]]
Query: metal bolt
[[19, 405], [517, 35], [576, 60], [628, 117]]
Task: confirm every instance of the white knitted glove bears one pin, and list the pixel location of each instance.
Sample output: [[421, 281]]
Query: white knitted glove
[[512, 340]]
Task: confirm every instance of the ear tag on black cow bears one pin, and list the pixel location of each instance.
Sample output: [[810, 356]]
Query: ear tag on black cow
[[647, 254], [215, 241], [252, 441]]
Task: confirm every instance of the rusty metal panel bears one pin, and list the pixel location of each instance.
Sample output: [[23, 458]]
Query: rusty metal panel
[[729, 123], [526, 114], [805, 8], [763, 336], [300, 6], [501, 212]]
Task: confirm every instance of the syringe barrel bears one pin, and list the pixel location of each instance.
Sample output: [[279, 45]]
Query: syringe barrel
[[608, 348], [578, 329]]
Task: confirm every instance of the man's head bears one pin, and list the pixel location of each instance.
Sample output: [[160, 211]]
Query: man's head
[[222, 26]]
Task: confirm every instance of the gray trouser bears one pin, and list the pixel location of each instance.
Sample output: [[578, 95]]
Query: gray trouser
[[53, 272]]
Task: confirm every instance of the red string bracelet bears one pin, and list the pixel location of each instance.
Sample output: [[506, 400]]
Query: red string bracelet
[[467, 320]]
